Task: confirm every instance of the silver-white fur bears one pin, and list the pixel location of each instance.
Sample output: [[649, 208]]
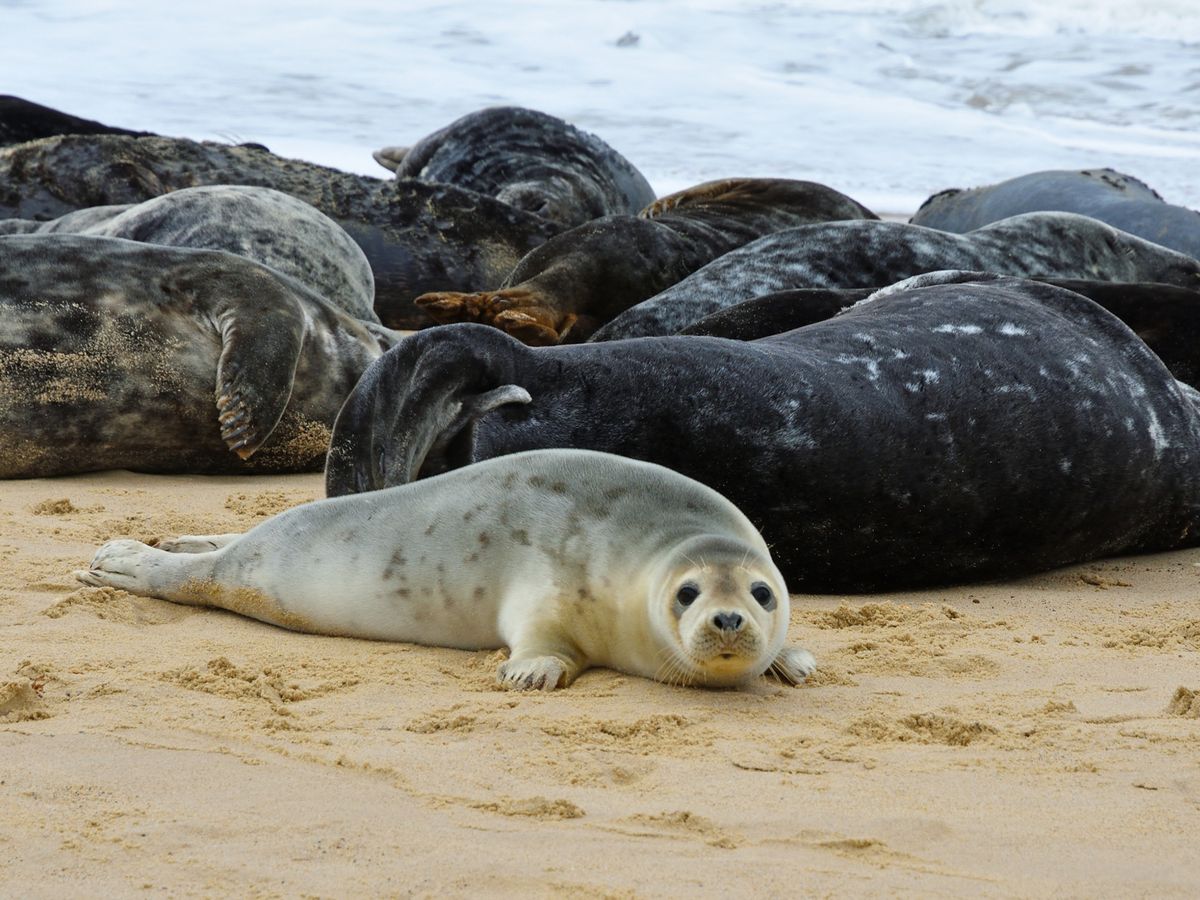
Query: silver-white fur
[[570, 558]]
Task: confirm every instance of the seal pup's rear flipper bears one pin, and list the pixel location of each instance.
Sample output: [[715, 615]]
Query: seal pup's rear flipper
[[527, 315], [262, 329]]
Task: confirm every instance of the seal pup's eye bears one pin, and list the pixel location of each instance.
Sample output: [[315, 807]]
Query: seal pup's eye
[[687, 595], [763, 595]]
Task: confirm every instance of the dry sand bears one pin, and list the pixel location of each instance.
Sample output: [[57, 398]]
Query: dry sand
[[1029, 738]]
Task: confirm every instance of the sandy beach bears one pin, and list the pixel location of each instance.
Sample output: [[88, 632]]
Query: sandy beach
[[1031, 738]]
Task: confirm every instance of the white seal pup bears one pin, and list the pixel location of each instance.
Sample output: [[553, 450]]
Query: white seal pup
[[570, 558]]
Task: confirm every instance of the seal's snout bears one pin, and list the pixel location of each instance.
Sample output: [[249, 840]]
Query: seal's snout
[[728, 623]]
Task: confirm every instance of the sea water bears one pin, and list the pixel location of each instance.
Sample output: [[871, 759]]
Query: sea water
[[886, 100]]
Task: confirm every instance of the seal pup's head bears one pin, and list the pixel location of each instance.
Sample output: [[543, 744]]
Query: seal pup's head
[[719, 611]]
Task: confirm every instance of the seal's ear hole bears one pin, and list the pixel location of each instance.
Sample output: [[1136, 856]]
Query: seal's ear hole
[[763, 595], [685, 597]]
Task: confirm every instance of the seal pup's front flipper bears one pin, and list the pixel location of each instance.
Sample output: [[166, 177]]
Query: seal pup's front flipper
[[262, 328], [792, 666]]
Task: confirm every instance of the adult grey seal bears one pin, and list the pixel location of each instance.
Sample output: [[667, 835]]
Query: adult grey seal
[[23, 120], [580, 279], [418, 237], [569, 558], [528, 159], [1113, 197], [261, 224], [117, 354], [868, 254], [937, 432], [1166, 317]]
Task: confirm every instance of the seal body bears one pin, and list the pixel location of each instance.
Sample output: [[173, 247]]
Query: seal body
[[937, 433], [530, 160], [418, 237], [117, 354], [23, 120], [261, 224], [582, 278], [868, 254], [1118, 199], [569, 558], [1166, 317]]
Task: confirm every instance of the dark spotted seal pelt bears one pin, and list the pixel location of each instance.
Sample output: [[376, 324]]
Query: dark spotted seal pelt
[[418, 237], [1166, 317], [580, 279], [936, 432], [868, 254], [261, 224], [570, 559], [1113, 197], [528, 159], [117, 354]]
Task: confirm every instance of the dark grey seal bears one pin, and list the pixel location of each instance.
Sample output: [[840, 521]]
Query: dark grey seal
[[261, 224], [578, 280], [1113, 197], [23, 120], [418, 237], [117, 354], [528, 159], [868, 254], [1166, 317], [936, 432]]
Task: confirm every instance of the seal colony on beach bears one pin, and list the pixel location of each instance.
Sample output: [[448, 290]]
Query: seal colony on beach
[[1113, 197], [570, 559], [580, 279], [417, 236], [869, 254], [112, 354], [995, 395], [261, 224]]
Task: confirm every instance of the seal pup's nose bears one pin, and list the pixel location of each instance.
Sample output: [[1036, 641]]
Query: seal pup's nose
[[727, 621]]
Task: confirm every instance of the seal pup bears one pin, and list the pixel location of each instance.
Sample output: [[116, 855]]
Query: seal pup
[[118, 354], [582, 278], [868, 254], [528, 159], [418, 237], [1113, 197], [23, 120], [261, 224], [935, 433], [569, 558], [1166, 317]]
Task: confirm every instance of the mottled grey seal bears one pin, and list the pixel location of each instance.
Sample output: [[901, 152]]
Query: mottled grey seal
[[118, 354], [1113, 197], [580, 279], [937, 432], [261, 224], [569, 558], [528, 159], [418, 237], [1166, 317], [868, 254]]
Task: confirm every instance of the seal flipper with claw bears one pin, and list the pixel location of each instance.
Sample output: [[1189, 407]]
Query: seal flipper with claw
[[262, 332]]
